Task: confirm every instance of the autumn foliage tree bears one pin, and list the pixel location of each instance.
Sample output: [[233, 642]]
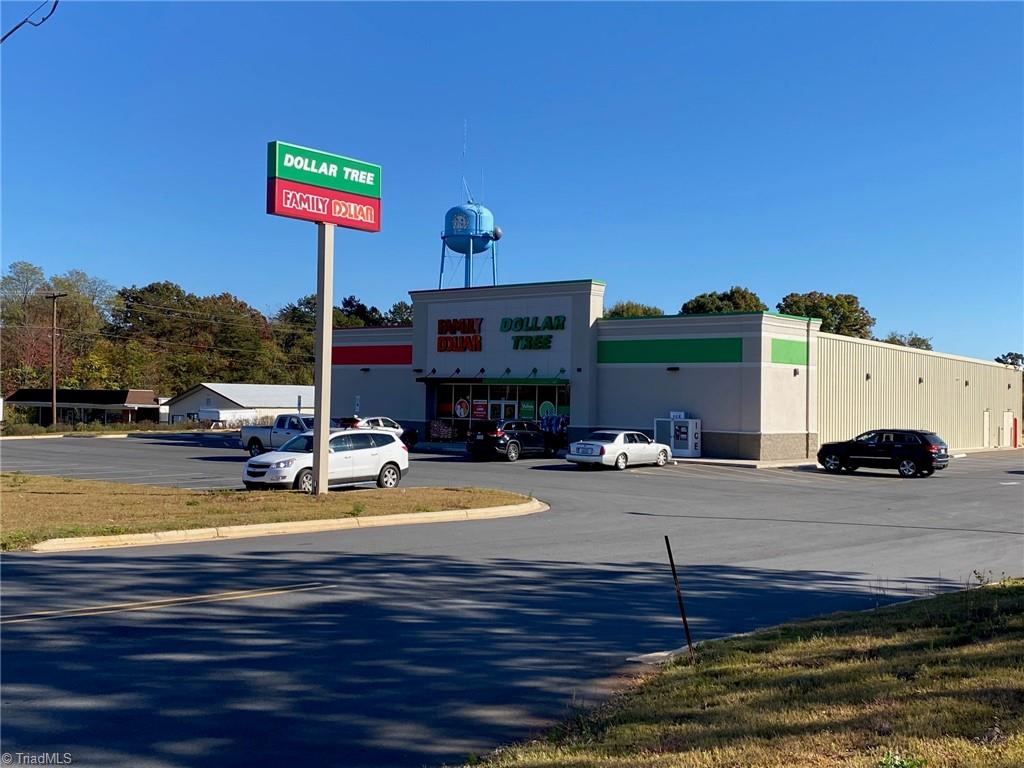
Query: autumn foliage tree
[[840, 313], [736, 299]]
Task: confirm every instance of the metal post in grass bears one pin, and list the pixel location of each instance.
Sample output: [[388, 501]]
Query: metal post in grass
[[679, 597]]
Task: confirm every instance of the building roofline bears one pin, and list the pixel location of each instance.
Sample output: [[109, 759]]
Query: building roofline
[[915, 350], [194, 388], [511, 285], [712, 314]]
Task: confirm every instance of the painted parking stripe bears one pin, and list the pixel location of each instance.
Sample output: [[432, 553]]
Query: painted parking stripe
[[168, 602]]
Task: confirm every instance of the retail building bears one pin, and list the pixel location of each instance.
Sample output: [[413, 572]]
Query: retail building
[[764, 385]]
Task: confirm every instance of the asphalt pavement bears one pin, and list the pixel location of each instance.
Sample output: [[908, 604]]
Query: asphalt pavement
[[422, 645]]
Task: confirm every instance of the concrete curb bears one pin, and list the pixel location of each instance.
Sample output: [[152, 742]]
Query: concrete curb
[[135, 433], [276, 529]]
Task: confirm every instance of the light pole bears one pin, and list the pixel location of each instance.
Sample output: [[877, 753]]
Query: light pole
[[53, 357]]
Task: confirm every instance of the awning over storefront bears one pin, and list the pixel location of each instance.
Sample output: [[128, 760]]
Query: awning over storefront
[[496, 381]]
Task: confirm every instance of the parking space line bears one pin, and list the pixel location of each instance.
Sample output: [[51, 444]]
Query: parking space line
[[168, 602]]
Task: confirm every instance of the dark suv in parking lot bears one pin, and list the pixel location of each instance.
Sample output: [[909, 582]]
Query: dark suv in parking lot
[[511, 439], [911, 452]]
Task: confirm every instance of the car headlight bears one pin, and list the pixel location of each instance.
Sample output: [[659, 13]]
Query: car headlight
[[282, 464]]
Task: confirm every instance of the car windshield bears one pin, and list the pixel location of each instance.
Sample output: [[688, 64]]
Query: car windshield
[[308, 422], [867, 436], [602, 437], [300, 444], [934, 439]]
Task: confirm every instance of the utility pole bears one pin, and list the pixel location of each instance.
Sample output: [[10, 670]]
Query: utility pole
[[53, 357]]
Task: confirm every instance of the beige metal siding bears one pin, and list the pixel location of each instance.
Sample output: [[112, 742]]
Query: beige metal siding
[[911, 388]]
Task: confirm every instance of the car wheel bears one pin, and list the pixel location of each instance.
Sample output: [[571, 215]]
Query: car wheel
[[621, 461], [512, 452], [907, 468], [662, 458], [255, 447], [304, 481], [389, 476], [833, 462]]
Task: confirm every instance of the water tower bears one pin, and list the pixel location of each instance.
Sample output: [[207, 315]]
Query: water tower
[[469, 229]]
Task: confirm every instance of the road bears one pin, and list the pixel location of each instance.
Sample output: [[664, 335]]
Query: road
[[420, 645]]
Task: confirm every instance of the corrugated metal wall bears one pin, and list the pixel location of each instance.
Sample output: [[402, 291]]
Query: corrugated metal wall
[[911, 388]]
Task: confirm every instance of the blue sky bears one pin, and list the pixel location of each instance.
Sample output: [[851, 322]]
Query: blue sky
[[667, 149]]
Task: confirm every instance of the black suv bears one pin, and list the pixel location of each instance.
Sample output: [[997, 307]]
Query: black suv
[[511, 439], [912, 452]]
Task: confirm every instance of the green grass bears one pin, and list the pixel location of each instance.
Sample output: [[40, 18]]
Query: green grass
[[34, 508], [929, 683]]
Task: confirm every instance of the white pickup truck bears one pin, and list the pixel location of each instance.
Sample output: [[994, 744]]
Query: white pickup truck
[[256, 440]]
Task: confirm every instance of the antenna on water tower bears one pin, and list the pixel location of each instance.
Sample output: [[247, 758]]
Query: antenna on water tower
[[469, 229]]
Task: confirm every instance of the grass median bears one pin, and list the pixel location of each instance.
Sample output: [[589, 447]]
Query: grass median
[[34, 508], [924, 684]]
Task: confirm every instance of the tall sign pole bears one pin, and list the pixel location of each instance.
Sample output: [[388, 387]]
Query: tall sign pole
[[331, 190], [322, 374], [53, 357]]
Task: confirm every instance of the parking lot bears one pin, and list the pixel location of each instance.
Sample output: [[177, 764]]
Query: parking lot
[[411, 646]]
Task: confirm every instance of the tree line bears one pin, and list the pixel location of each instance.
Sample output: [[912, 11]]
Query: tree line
[[162, 337], [839, 313], [158, 336]]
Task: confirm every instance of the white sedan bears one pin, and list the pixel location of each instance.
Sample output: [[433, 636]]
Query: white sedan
[[617, 448], [355, 456]]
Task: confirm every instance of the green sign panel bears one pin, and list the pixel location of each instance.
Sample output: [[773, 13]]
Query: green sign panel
[[320, 169]]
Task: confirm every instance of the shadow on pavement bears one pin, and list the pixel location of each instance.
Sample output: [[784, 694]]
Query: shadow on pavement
[[191, 439], [403, 661]]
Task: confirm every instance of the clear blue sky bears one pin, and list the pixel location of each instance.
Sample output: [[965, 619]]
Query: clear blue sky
[[872, 149]]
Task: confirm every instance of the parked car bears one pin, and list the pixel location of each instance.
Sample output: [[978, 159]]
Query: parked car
[[256, 440], [356, 456], [911, 452], [510, 439], [370, 422], [617, 448]]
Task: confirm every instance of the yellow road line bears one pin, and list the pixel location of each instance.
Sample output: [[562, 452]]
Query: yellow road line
[[168, 602]]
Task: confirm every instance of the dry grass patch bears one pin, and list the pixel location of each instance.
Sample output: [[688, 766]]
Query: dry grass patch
[[34, 508], [930, 683]]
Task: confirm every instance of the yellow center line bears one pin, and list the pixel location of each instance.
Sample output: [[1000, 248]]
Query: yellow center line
[[168, 602]]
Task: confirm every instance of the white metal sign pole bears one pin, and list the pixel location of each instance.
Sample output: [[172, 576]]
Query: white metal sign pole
[[322, 372]]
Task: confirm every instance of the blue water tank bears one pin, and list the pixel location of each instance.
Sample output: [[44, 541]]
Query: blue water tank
[[467, 223]]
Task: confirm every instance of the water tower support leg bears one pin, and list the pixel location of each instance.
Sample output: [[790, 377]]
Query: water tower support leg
[[469, 264], [440, 277], [494, 263]]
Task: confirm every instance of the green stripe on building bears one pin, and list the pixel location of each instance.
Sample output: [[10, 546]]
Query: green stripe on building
[[728, 350], [789, 352]]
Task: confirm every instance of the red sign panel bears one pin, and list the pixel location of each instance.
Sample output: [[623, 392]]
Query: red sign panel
[[303, 201], [375, 354]]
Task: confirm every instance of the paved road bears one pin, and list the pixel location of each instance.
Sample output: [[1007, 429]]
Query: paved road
[[419, 645], [184, 460]]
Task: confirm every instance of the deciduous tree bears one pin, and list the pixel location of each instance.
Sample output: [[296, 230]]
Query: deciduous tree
[[841, 313], [736, 299], [911, 339], [632, 309]]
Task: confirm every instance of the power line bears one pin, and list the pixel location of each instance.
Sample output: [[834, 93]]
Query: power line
[[28, 19], [106, 334]]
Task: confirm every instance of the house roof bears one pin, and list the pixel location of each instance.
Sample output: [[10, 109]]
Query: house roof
[[98, 398], [255, 395]]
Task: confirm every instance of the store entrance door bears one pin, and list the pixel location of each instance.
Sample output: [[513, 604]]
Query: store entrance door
[[500, 410]]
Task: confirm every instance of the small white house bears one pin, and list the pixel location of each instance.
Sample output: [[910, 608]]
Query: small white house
[[234, 404]]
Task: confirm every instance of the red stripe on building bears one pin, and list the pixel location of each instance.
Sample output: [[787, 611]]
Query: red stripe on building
[[373, 354]]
